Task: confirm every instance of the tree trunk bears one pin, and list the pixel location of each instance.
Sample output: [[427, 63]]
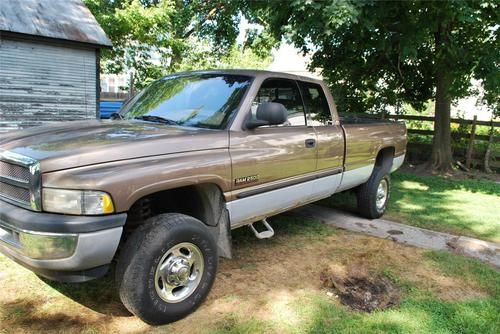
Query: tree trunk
[[441, 157]]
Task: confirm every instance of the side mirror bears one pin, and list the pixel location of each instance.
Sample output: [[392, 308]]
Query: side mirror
[[268, 113]]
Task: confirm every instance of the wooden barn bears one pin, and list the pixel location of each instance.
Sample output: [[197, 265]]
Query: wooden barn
[[49, 62]]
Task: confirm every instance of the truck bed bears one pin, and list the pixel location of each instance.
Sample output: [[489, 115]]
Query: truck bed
[[364, 138]]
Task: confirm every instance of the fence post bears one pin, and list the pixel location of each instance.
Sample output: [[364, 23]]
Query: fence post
[[470, 147], [487, 168]]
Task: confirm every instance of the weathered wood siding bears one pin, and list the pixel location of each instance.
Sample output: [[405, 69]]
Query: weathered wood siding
[[42, 83]]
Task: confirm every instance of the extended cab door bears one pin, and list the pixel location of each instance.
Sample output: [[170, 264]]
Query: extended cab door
[[271, 164], [330, 138]]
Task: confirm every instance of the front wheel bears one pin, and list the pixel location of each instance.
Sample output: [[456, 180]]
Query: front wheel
[[373, 196], [167, 268]]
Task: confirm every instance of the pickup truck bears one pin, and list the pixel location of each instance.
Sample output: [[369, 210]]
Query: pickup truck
[[155, 191]]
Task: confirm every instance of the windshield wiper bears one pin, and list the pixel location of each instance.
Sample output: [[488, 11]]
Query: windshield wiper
[[156, 119]]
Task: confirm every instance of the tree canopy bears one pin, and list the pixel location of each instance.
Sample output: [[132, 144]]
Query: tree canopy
[[155, 37]]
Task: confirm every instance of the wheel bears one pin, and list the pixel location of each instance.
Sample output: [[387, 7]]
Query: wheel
[[166, 268], [373, 195]]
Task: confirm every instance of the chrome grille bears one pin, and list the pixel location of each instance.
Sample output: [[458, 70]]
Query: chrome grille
[[16, 172], [19, 180], [15, 193]]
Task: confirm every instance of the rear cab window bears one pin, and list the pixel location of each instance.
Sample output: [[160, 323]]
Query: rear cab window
[[316, 104]]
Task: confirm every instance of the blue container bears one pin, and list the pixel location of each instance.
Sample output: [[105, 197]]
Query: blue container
[[109, 107]]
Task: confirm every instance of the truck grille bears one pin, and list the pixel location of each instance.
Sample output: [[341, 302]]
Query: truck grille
[[19, 180], [20, 173], [15, 193]]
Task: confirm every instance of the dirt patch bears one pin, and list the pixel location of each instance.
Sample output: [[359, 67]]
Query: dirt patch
[[362, 293]]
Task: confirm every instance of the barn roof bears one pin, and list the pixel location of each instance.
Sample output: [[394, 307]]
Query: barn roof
[[61, 19]]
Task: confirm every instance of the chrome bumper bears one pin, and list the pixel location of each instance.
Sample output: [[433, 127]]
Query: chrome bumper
[[75, 244]]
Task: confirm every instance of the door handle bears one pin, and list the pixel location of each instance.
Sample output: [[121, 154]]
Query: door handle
[[310, 143]]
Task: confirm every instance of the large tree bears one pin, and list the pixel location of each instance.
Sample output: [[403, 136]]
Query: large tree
[[380, 53]]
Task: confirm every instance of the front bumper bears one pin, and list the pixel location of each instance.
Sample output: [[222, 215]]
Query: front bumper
[[60, 247]]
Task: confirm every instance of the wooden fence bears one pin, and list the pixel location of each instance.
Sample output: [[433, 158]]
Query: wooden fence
[[488, 161], [472, 122]]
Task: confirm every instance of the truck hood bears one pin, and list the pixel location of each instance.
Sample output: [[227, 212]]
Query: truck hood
[[82, 143]]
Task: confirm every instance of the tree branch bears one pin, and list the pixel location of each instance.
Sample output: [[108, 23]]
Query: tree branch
[[207, 17]]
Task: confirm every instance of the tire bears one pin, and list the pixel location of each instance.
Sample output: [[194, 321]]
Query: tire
[[169, 242], [367, 194]]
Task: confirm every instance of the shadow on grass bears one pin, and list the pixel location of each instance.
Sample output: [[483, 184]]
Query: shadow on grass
[[21, 314], [465, 207], [285, 226], [100, 295]]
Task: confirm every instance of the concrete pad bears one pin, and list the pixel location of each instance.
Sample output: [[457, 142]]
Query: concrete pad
[[483, 250]]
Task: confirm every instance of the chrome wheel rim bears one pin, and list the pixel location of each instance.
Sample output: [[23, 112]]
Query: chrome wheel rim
[[179, 272], [382, 192]]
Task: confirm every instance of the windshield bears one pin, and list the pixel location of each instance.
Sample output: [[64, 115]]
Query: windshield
[[195, 100]]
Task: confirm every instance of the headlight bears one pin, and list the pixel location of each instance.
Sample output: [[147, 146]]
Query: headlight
[[76, 202]]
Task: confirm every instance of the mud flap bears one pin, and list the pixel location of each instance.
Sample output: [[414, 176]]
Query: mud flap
[[224, 239]]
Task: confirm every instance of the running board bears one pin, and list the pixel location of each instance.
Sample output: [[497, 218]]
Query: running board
[[269, 233]]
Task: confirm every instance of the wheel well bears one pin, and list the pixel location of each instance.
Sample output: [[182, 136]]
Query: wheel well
[[204, 202], [385, 158], [201, 201]]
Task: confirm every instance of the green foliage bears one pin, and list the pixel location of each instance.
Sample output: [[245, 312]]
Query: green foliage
[[156, 37], [380, 53], [236, 57], [135, 28]]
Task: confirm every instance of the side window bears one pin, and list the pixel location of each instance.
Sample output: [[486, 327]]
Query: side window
[[316, 104], [285, 92]]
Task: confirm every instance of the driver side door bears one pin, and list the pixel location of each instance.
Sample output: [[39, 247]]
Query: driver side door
[[271, 164]]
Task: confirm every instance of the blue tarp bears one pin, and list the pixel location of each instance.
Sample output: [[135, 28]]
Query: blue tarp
[[109, 107]]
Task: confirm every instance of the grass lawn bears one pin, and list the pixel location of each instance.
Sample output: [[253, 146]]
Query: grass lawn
[[275, 286], [466, 207]]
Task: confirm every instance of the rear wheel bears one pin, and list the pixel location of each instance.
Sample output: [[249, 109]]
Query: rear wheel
[[373, 195], [167, 268]]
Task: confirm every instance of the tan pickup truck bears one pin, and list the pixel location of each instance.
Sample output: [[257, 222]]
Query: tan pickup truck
[[158, 189]]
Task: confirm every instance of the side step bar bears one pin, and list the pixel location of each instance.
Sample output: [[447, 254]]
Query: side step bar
[[268, 233]]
